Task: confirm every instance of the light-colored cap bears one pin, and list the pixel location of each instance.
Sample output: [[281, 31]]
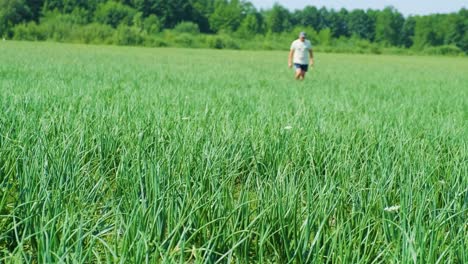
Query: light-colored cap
[[302, 35]]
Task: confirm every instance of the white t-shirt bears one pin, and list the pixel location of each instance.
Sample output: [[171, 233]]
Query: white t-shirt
[[301, 51]]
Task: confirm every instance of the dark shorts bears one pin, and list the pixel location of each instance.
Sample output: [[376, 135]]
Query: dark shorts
[[303, 67]]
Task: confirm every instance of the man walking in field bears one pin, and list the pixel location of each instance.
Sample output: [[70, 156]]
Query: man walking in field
[[301, 55]]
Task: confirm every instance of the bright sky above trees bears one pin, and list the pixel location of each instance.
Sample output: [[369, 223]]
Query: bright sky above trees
[[406, 7]]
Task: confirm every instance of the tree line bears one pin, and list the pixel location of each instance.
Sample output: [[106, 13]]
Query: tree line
[[25, 19]]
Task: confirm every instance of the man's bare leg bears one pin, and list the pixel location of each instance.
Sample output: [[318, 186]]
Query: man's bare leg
[[298, 74], [303, 75]]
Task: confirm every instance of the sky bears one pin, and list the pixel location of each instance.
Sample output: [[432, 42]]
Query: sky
[[406, 7]]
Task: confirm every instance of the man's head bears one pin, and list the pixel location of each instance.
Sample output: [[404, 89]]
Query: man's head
[[302, 36]]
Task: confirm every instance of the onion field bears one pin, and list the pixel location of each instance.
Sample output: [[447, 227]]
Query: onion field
[[139, 155]]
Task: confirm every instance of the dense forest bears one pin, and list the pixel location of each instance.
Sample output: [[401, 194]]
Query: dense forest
[[230, 24]]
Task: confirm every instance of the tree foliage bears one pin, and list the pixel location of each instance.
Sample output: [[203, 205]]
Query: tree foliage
[[386, 27], [114, 14], [12, 12]]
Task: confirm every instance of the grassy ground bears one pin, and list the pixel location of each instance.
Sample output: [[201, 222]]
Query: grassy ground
[[135, 155]]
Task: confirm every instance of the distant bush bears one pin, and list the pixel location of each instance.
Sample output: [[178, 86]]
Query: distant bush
[[30, 31], [463, 43], [145, 32], [125, 35], [55, 26], [58, 26], [324, 37], [215, 42], [78, 16], [186, 40], [91, 33], [221, 42], [267, 45], [443, 50], [94, 33], [231, 43], [154, 41], [312, 35], [187, 27], [151, 24], [397, 51], [375, 49], [57, 31], [276, 41]]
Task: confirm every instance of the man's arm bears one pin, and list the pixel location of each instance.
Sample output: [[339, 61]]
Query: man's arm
[[291, 54], [311, 54]]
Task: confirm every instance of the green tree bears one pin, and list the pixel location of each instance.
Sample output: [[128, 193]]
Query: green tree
[[463, 42], [457, 29], [227, 15], [323, 19], [307, 17], [407, 32], [35, 7], [12, 12], [151, 24], [114, 13], [278, 19], [202, 9], [170, 13], [65, 6], [388, 26], [187, 27], [361, 24], [337, 23], [425, 32], [251, 25]]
